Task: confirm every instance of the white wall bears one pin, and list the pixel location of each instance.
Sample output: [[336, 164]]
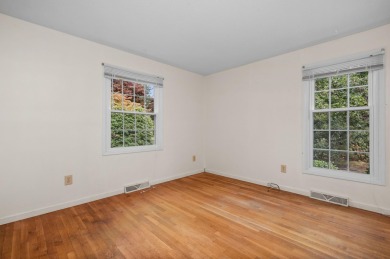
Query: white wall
[[51, 122], [253, 118]]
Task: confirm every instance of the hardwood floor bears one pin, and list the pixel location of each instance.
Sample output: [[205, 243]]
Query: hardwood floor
[[201, 216]]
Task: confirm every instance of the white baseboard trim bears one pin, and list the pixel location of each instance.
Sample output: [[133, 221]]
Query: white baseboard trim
[[64, 205], [354, 204]]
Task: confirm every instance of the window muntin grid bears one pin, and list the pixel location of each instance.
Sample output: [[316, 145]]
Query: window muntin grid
[[340, 118], [132, 115]]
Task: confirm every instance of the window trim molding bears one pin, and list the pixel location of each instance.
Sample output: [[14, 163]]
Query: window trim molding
[[377, 134], [106, 127]]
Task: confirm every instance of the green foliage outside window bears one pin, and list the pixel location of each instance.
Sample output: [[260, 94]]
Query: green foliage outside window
[[341, 137], [323, 164], [131, 129]]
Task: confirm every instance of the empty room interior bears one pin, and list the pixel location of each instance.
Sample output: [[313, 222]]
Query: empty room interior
[[194, 129]]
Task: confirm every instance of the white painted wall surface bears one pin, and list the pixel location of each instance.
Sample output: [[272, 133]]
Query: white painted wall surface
[[253, 118], [51, 122]]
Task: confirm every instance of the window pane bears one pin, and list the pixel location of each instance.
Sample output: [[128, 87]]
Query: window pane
[[358, 96], [149, 91], [149, 105], [321, 120], [321, 139], [339, 98], [339, 81], [359, 141], [338, 160], [322, 84], [139, 90], [338, 140], [140, 103], [116, 121], [128, 88], [116, 86], [321, 158], [357, 79], [139, 122], [338, 120], [116, 94], [359, 120], [152, 123], [128, 102], [117, 138], [144, 137], [150, 137], [116, 101], [129, 138], [359, 163], [129, 122], [321, 100]]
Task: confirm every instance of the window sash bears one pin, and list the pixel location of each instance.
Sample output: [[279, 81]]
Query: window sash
[[135, 128], [329, 130], [348, 152]]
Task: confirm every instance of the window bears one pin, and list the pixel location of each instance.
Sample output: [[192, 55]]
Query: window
[[344, 120], [132, 111]]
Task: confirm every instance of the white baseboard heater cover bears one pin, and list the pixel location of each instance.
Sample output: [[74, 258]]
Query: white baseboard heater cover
[[329, 198], [137, 187]]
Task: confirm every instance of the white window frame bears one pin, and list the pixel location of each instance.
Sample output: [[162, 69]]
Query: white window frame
[[377, 107], [158, 113]]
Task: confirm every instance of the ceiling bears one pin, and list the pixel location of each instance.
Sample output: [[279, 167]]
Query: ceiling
[[204, 36]]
